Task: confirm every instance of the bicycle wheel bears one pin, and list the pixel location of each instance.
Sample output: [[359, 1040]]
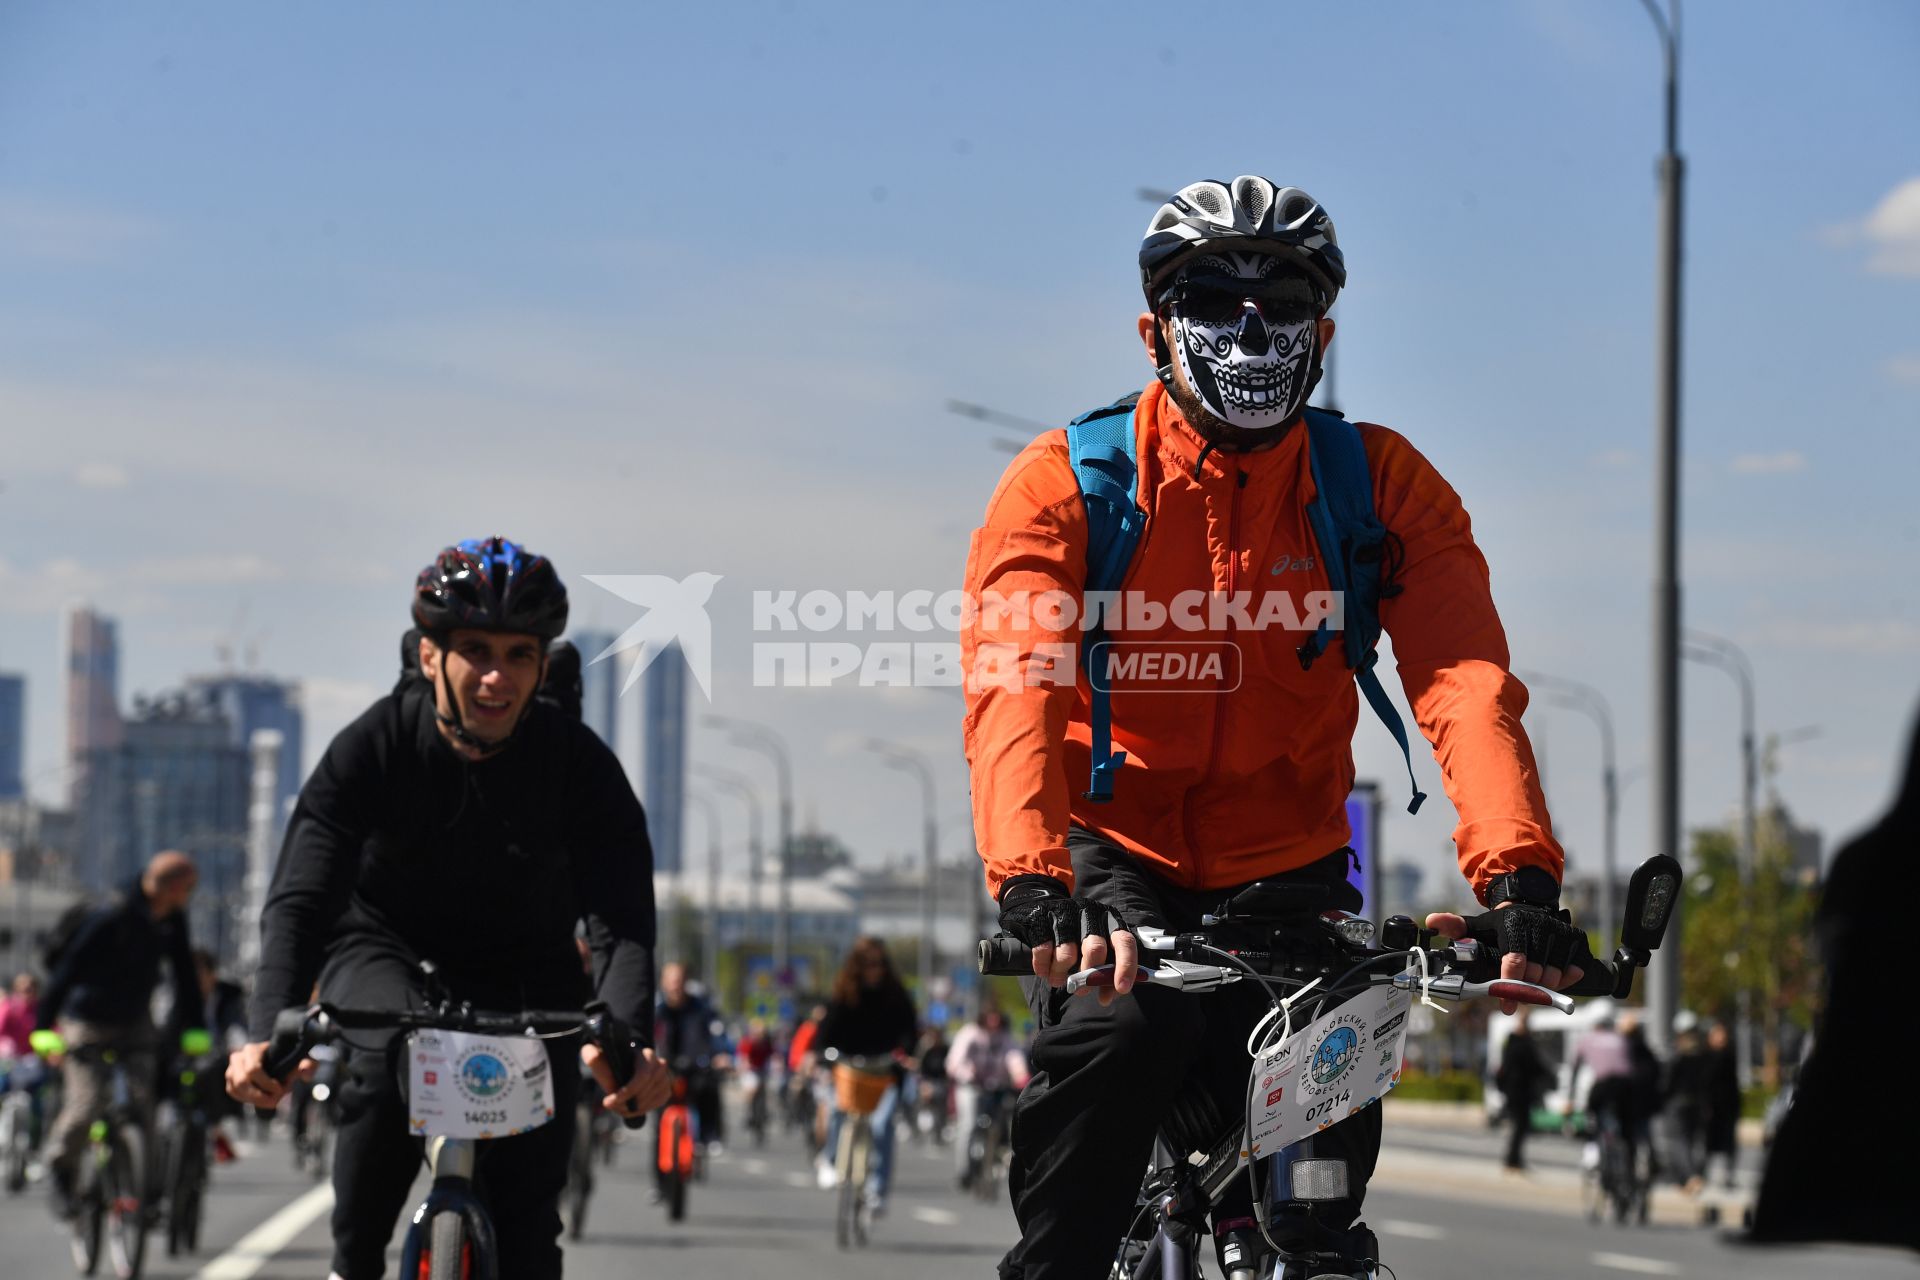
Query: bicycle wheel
[[849, 1193], [676, 1197], [986, 1174], [17, 1155], [857, 1138], [88, 1220], [579, 1174], [1620, 1183], [126, 1202], [449, 1253], [186, 1183], [318, 1152]]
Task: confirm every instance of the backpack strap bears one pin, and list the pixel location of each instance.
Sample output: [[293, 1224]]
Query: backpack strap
[[1352, 540], [1101, 447]]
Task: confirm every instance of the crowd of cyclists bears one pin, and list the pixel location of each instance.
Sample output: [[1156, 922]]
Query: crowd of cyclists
[[945, 1090], [468, 844]]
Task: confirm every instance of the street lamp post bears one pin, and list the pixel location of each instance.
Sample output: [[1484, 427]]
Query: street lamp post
[[758, 737], [710, 944], [1584, 698], [910, 761], [1714, 651], [1663, 975], [737, 784]]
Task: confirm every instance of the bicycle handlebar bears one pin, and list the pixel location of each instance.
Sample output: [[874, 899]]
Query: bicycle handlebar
[[1464, 971], [298, 1030]]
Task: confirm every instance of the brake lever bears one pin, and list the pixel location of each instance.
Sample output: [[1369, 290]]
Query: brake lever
[[1454, 988], [1175, 974]]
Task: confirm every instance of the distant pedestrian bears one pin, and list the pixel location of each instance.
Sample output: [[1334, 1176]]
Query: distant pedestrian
[[1687, 1101], [1647, 1093], [1723, 1104], [1520, 1079]]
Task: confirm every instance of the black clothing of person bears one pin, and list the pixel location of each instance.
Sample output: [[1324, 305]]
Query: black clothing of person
[[108, 972], [1687, 1088], [881, 1021], [684, 1031], [683, 1037], [1105, 1079], [1723, 1105], [1820, 1183], [400, 850], [1522, 1072]]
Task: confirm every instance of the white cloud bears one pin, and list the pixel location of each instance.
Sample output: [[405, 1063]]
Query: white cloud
[[1881, 637], [1770, 464], [101, 475], [51, 231], [1892, 231], [224, 570], [1904, 369]]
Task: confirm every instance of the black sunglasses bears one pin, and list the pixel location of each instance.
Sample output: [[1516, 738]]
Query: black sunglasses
[[1220, 300]]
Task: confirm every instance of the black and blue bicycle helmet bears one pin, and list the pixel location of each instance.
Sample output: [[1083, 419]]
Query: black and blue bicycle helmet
[[490, 584]]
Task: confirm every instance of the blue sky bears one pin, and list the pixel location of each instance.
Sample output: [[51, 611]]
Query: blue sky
[[291, 295]]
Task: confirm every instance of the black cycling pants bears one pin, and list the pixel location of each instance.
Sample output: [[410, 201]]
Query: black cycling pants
[[1104, 1080], [376, 1159]]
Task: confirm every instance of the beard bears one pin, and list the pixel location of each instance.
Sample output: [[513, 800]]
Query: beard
[[1222, 435]]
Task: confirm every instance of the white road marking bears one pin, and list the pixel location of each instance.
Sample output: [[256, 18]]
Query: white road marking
[[1412, 1230], [935, 1217], [1641, 1266], [754, 1165], [797, 1179], [258, 1246]]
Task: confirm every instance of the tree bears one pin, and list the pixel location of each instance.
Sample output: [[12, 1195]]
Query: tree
[[1757, 939]]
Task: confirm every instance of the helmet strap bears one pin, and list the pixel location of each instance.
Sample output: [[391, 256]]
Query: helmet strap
[[1162, 358]]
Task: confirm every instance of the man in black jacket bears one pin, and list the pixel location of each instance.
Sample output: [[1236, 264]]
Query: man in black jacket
[[101, 993], [461, 822], [1822, 1182]]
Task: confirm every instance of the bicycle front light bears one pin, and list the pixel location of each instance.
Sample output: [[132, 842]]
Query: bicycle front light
[[1318, 1179], [1356, 930], [321, 1093]]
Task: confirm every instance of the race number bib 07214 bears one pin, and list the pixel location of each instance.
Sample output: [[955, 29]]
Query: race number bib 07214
[[1346, 1060], [470, 1086]]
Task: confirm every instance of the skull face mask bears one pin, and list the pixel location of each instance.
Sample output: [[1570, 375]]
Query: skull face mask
[[1244, 336]]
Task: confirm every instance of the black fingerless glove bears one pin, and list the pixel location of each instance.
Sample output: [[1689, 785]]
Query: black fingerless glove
[[1040, 912], [1544, 937]]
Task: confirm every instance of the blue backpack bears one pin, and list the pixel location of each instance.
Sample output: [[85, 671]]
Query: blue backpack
[[1351, 537]]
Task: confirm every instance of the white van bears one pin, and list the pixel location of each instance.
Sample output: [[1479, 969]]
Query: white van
[[1554, 1034]]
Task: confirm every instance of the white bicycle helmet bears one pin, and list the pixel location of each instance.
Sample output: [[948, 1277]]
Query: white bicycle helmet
[[1249, 213]]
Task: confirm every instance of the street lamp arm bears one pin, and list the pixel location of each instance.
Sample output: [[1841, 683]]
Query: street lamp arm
[[1670, 49], [1576, 695]]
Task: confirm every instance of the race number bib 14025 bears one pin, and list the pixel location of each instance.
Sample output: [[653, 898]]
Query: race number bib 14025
[[469, 1086], [1346, 1060]]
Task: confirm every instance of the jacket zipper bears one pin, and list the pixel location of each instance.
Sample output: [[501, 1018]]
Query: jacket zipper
[[1220, 704]]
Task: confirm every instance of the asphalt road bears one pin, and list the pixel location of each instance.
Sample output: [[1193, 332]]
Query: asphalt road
[[1440, 1205]]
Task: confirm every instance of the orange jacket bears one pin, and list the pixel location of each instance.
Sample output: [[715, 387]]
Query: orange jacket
[[1247, 772]]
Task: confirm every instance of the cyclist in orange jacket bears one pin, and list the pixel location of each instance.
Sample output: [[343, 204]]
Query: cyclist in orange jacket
[[1238, 771]]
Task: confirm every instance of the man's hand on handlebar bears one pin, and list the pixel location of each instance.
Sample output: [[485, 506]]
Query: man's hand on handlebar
[[248, 1081], [1536, 945], [649, 1089], [1067, 934]]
